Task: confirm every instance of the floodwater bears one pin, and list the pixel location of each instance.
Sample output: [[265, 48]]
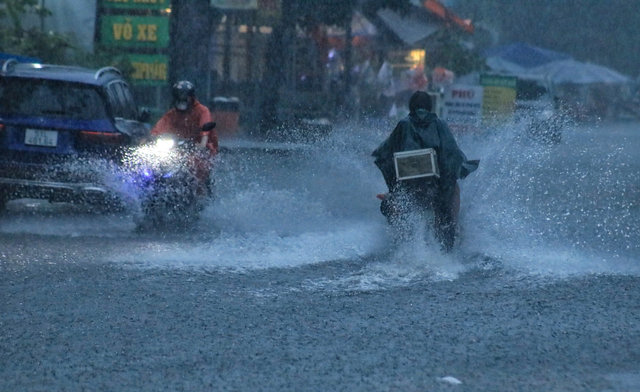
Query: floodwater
[[292, 280], [552, 210]]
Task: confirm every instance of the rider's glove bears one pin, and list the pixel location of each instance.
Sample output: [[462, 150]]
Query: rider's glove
[[204, 139]]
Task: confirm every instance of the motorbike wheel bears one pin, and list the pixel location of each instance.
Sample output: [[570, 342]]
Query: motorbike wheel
[[169, 210], [440, 225]]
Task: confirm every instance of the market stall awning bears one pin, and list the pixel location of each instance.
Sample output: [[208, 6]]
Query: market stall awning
[[445, 14], [422, 21], [411, 28], [360, 27], [576, 72], [524, 55]]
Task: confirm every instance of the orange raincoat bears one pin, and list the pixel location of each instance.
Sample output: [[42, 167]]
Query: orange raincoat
[[188, 125]]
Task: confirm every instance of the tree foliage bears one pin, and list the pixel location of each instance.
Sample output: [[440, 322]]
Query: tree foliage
[[16, 9], [447, 50], [33, 42]]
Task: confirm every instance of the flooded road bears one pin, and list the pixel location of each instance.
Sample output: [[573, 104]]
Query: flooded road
[[290, 282]]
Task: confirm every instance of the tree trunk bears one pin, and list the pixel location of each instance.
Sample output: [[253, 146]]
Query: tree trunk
[[276, 63], [191, 29]]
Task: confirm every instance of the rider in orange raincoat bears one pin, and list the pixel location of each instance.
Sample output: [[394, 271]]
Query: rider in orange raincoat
[[186, 120]]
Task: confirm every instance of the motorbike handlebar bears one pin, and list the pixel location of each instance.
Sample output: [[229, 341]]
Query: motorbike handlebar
[[208, 127]]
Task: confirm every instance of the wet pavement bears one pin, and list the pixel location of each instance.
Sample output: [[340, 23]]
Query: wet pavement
[[72, 322], [290, 283]]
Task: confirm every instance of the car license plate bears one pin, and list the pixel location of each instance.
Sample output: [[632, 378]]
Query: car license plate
[[40, 137]]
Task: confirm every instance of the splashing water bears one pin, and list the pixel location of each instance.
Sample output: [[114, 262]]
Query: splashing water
[[556, 210]]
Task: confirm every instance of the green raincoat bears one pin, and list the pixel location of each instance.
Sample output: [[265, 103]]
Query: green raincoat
[[420, 130]]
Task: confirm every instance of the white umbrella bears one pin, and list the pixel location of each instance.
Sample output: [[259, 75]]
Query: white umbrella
[[576, 72], [498, 64]]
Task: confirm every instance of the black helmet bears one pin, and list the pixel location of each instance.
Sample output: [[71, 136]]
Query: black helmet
[[182, 92]]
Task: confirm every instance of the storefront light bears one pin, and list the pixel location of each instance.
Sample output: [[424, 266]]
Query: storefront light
[[416, 57]]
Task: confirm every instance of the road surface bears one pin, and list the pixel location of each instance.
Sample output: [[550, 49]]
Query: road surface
[[290, 281]]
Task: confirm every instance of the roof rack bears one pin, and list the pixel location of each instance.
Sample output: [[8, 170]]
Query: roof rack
[[9, 65], [105, 70]]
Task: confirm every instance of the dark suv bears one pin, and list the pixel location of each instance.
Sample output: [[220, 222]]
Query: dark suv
[[62, 131]]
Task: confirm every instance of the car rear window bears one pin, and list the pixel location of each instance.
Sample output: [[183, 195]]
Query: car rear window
[[49, 98]]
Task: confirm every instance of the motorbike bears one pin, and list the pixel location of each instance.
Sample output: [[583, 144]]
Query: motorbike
[[418, 193], [164, 173]]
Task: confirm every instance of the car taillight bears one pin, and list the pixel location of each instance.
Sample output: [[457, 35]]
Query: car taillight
[[2, 128], [101, 137]]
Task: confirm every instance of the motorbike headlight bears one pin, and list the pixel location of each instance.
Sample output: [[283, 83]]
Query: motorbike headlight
[[165, 144], [150, 155]]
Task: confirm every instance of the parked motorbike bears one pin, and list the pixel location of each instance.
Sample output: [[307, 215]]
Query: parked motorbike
[[164, 173]]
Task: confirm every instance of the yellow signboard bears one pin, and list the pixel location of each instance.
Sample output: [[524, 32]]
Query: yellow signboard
[[499, 96], [148, 69], [498, 100], [135, 31]]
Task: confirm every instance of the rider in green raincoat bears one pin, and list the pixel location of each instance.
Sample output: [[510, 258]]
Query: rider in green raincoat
[[422, 129]]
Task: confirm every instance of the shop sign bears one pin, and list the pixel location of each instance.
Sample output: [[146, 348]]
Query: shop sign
[[135, 31], [138, 4], [463, 105], [235, 4], [269, 12], [499, 96], [150, 70]]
